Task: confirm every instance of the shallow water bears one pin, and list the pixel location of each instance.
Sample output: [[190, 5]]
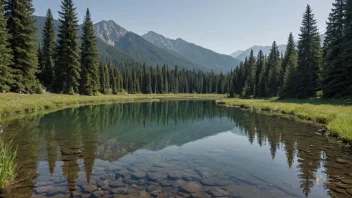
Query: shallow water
[[173, 149]]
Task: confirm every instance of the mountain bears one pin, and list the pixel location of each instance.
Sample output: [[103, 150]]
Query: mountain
[[193, 52], [142, 50], [235, 54], [109, 32], [116, 43], [106, 51], [266, 49], [256, 49]]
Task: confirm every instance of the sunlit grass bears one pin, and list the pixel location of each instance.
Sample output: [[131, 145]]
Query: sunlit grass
[[335, 114], [11, 103], [7, 164]]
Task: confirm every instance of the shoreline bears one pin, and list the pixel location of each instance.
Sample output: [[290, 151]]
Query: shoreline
[[273, 107], [14, 104]]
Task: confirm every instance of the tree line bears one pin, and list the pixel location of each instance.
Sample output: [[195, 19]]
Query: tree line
[[65, 63], [307, 70]]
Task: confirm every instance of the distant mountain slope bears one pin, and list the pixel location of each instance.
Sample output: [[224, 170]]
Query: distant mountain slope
[[195, 53], [266, 49], [235, 54], [256, 49], [141, 49]]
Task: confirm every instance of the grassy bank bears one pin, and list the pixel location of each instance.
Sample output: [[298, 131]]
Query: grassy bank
[[7, 165], [336, 115], [12, 103]]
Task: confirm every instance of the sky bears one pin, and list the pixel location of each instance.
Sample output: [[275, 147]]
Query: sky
[[224, 26]]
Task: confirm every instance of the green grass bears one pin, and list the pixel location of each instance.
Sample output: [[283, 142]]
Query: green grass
[[336, 115], [13, 103], [8, 165]]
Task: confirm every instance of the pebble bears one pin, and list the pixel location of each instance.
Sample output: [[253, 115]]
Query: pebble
[[89, 188], [343, 161], [191, 187], [116, 184], [218, 192]]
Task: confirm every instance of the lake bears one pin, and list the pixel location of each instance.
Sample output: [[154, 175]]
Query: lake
[[173, 149]]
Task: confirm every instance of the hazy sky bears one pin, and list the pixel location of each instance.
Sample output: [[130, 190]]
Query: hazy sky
[[221, 25]]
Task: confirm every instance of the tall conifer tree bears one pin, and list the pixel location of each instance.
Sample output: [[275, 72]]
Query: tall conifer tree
[[333, 68], [274, 70], [20, 24], [89, 58], [5, 54], [347, 51], [67, 65], [260, 71], [290, 65], [309, 57], [49, 45]]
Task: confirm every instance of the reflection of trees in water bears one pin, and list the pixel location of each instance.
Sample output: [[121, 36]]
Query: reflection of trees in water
[[283, 134], [25, 136], [75, 133]]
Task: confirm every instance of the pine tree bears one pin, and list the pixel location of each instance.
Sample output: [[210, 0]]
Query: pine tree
[[6, 80], [20, 25], [308, 57], [290, 65], [104, 78], [252, 70], [67, 66], [89, 59], [112, 77], [274, 71], [40, 74], [333, 68], [347, 51], [49, 45], [260, 71]]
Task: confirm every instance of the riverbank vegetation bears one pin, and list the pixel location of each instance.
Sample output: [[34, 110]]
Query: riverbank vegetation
[[13, 103], [8, 164], [309, 73], [336, 115]]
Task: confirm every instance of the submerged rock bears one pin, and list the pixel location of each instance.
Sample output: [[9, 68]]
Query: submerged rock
[[215, 182], [89, 188], [155, 176], [138, 175], [218, 192], [116, 184], [191, 187], [344, 186], [349, 191], [339, 190], [165, 183], [343, 161], [346, 181], [174, 175]]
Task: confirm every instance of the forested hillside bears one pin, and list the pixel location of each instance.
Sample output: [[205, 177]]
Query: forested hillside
[[306, 70]]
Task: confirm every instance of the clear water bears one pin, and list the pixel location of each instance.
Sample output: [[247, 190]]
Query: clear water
[[173, 149]]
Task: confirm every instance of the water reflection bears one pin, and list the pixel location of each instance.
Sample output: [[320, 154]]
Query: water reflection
[[183, 148]]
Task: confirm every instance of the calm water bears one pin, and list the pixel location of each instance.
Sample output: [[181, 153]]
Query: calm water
[[173, 149]]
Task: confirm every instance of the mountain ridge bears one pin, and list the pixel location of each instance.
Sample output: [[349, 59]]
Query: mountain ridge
[[194, 52], [115, 43]]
